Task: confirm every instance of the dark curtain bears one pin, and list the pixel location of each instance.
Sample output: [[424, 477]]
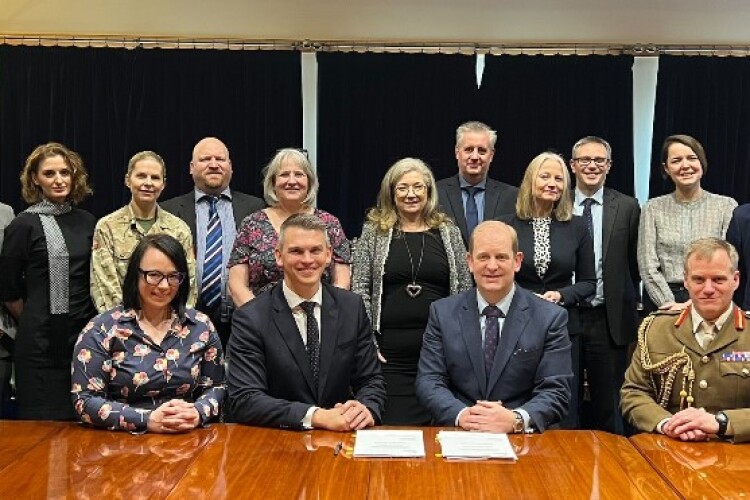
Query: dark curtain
[[377, 108], [108, 104], [709, 99]]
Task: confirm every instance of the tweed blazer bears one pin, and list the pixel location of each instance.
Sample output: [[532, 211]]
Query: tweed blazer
[[371, 252]]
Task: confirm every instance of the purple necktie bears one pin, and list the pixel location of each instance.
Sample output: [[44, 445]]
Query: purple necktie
[[491, 336]]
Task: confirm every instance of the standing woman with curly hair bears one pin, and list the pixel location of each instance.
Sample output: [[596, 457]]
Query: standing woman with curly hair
[[410, 254], [45, 279]]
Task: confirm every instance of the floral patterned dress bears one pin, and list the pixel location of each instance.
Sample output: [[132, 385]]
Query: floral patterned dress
[[257, 239], [120, 375]]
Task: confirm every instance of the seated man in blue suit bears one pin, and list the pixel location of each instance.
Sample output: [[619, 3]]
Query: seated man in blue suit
[[495, 358], [302, 355]]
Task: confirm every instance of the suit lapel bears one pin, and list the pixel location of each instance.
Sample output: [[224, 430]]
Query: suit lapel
[[728, 333], [609, 215], [456, 202], [237, 210], [329, 337], [187, 207], [491, 198], [287, 328], [687, 338], [469, 322], [513, 327]]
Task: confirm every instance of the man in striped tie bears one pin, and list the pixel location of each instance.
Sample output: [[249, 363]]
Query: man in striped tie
[[213, 212]]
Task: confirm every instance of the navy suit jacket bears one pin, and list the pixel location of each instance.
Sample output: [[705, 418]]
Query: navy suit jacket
[[532, 367], [269, 377], [738, 234], [620, 218], [499, 199]]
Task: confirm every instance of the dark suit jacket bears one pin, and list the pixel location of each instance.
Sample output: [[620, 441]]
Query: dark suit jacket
[[499, 199], [738, 234], [532, 367], [183, 206], [620, 218], [269, 377]]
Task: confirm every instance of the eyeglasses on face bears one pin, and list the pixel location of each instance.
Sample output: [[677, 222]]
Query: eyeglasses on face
[[586, 160], [156, 277], [417, 189]]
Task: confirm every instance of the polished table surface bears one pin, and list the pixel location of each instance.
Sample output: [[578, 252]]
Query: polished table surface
[[59, 460], [712, 469]]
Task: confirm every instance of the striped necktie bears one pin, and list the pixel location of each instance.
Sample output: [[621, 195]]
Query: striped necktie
[[211, 284]]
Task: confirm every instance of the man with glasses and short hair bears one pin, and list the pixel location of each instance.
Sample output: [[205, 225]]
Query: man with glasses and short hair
[[471, 196], [608, 321]]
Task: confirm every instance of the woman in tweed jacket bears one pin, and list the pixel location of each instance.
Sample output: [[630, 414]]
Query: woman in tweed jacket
[[408, 256]]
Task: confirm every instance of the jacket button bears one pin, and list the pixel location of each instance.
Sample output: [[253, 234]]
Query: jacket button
[[703, 384], [705, 359]]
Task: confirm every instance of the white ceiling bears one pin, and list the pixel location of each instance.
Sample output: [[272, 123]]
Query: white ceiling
[[673, 22]]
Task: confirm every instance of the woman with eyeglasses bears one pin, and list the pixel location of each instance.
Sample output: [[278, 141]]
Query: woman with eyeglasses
[[558, 251], [289, 187], [409, 255], [118, 233], [44, 281], [151, 364], [671, 222]]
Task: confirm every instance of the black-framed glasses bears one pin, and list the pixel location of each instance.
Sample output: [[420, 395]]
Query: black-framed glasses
[[156, 277], [586, 161]]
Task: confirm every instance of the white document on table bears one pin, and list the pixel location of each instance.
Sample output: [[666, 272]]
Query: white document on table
[[389, 443], [475, 445]]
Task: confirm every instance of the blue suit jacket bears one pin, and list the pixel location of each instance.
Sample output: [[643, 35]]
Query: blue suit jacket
[[532, 367], [269, 377]]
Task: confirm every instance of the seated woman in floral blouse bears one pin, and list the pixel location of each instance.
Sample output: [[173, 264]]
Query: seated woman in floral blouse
[[151, 363]]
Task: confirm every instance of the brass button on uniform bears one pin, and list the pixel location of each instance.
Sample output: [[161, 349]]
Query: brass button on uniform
[[703, 384], [745, 372], [705, 359]]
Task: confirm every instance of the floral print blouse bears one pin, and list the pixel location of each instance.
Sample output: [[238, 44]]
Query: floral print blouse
[[120, 375], [257, 239]]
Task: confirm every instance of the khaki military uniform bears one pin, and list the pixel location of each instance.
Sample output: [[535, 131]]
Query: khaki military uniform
[[721, 379], [115, 238]]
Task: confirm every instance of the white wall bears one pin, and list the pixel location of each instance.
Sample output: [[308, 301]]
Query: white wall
[[490, 21]]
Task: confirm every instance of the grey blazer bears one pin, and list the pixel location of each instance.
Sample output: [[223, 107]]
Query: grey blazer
[[371, 252]]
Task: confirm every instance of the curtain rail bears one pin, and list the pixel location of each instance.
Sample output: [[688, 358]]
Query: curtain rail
[[466, 48]]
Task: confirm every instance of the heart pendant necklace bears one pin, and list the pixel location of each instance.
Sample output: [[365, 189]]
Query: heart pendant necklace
[[413, 289]]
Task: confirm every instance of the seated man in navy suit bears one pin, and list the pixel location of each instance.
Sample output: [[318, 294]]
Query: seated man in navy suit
[[302, 355], [495, 358]]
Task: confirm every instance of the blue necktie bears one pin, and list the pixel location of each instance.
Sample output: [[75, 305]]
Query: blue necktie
[[491, 336], [587, 215], [472, 214], [313, 339], [211, 284]]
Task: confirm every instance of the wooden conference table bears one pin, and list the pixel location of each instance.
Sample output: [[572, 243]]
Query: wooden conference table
[[60, 460]]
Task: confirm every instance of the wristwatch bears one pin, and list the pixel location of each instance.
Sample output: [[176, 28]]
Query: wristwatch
[[723, 421], [518, 426]]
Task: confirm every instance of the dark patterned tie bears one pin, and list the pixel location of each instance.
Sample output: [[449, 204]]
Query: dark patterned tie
[[587, 215], [211, 284], [491, 336], [313, 339], [472, 213]]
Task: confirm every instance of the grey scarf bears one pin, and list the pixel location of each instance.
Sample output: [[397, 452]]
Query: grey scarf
[[57, 253]]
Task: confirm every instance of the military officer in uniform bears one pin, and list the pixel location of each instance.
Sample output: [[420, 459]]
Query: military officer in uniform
[[690, 374]]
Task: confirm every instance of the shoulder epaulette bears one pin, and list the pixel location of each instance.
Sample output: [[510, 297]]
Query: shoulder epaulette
[[666, 312]]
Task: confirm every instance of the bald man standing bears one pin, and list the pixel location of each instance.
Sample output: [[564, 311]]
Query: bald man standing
[[213, 212]]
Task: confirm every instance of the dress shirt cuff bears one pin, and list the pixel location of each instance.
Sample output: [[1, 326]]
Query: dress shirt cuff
[[458, 417], [307, 419], [526, 420], [660, 425]]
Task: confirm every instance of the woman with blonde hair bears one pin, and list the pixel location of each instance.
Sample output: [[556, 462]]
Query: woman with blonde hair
[[118, 233], [289, 187], [45, 279], [409, 255], [558, 250]]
